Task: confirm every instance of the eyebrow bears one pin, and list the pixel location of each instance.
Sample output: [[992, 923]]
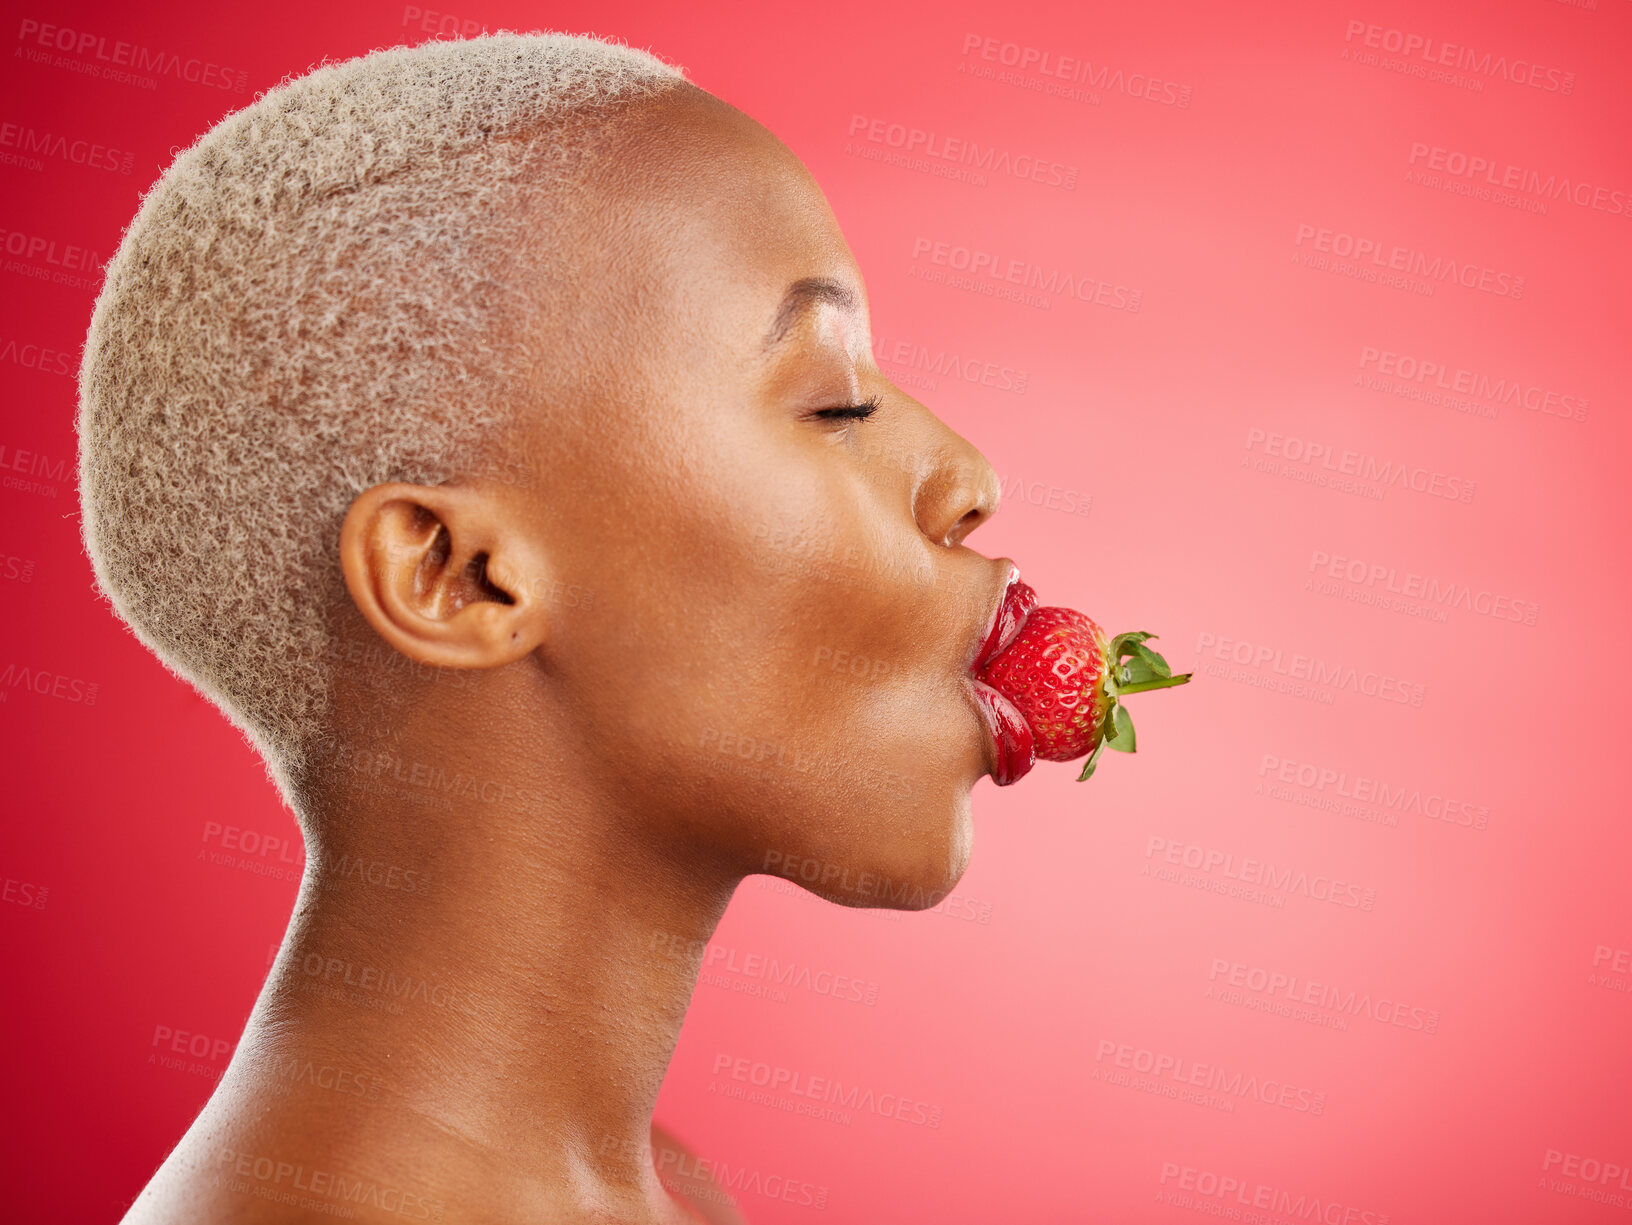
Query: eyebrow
[[802, 295]]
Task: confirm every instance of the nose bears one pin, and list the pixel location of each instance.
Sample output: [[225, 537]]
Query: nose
[[957, 493]]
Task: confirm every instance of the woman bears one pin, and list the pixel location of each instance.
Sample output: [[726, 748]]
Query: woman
[[491, 429]]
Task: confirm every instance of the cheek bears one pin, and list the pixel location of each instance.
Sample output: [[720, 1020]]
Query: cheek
[[770, 637], [711, 597]]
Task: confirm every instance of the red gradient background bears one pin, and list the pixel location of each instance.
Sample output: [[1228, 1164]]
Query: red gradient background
[[1459, 1046]]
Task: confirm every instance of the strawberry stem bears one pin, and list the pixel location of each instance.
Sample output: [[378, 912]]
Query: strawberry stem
[[1159, 683], [1132, 668]]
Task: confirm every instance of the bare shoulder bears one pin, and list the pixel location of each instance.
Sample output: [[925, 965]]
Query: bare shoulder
[[690, 1178]]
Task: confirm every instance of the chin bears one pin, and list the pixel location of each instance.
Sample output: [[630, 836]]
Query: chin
[[942, 861], [926, 853]]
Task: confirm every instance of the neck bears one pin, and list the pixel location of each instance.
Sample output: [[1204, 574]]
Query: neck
[[510, 978]]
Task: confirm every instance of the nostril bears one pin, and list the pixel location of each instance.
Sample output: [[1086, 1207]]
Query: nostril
[[964, 526], [954, 498]]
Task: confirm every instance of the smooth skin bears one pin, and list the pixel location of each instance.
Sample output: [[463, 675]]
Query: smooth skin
[[621, 699]]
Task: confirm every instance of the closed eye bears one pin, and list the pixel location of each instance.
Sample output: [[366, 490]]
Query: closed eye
[[859, 412]]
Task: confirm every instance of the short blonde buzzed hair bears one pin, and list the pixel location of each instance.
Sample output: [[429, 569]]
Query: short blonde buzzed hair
[[321, 294]]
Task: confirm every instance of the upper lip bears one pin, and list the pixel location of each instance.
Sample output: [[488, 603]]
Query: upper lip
[[999, 630]]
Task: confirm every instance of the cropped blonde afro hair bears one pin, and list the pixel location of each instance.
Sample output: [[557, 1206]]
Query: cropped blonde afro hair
[[321, 294]]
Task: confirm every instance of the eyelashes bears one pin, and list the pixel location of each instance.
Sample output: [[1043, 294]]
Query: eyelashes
[[856, 412]]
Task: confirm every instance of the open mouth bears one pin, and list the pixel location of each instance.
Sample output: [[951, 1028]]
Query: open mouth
[[1009, 731]]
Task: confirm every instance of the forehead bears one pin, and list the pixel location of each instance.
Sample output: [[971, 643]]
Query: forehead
[[712, 220]]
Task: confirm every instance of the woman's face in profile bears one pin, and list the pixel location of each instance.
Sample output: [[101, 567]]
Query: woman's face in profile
[[761, 609]]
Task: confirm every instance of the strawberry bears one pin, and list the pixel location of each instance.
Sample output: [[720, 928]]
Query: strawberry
[[1067, 680]]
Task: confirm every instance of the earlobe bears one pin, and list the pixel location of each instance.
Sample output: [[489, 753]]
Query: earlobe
[[444, 574]]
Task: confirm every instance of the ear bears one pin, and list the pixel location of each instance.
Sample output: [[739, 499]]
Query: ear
[[444, 574]]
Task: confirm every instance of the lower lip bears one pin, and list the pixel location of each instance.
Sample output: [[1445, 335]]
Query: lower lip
[[1004, 721]]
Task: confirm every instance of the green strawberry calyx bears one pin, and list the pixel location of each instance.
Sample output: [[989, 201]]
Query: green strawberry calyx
[[1132, 667]]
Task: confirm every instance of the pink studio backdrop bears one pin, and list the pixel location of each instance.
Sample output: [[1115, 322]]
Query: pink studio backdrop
[[1298, 336]]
